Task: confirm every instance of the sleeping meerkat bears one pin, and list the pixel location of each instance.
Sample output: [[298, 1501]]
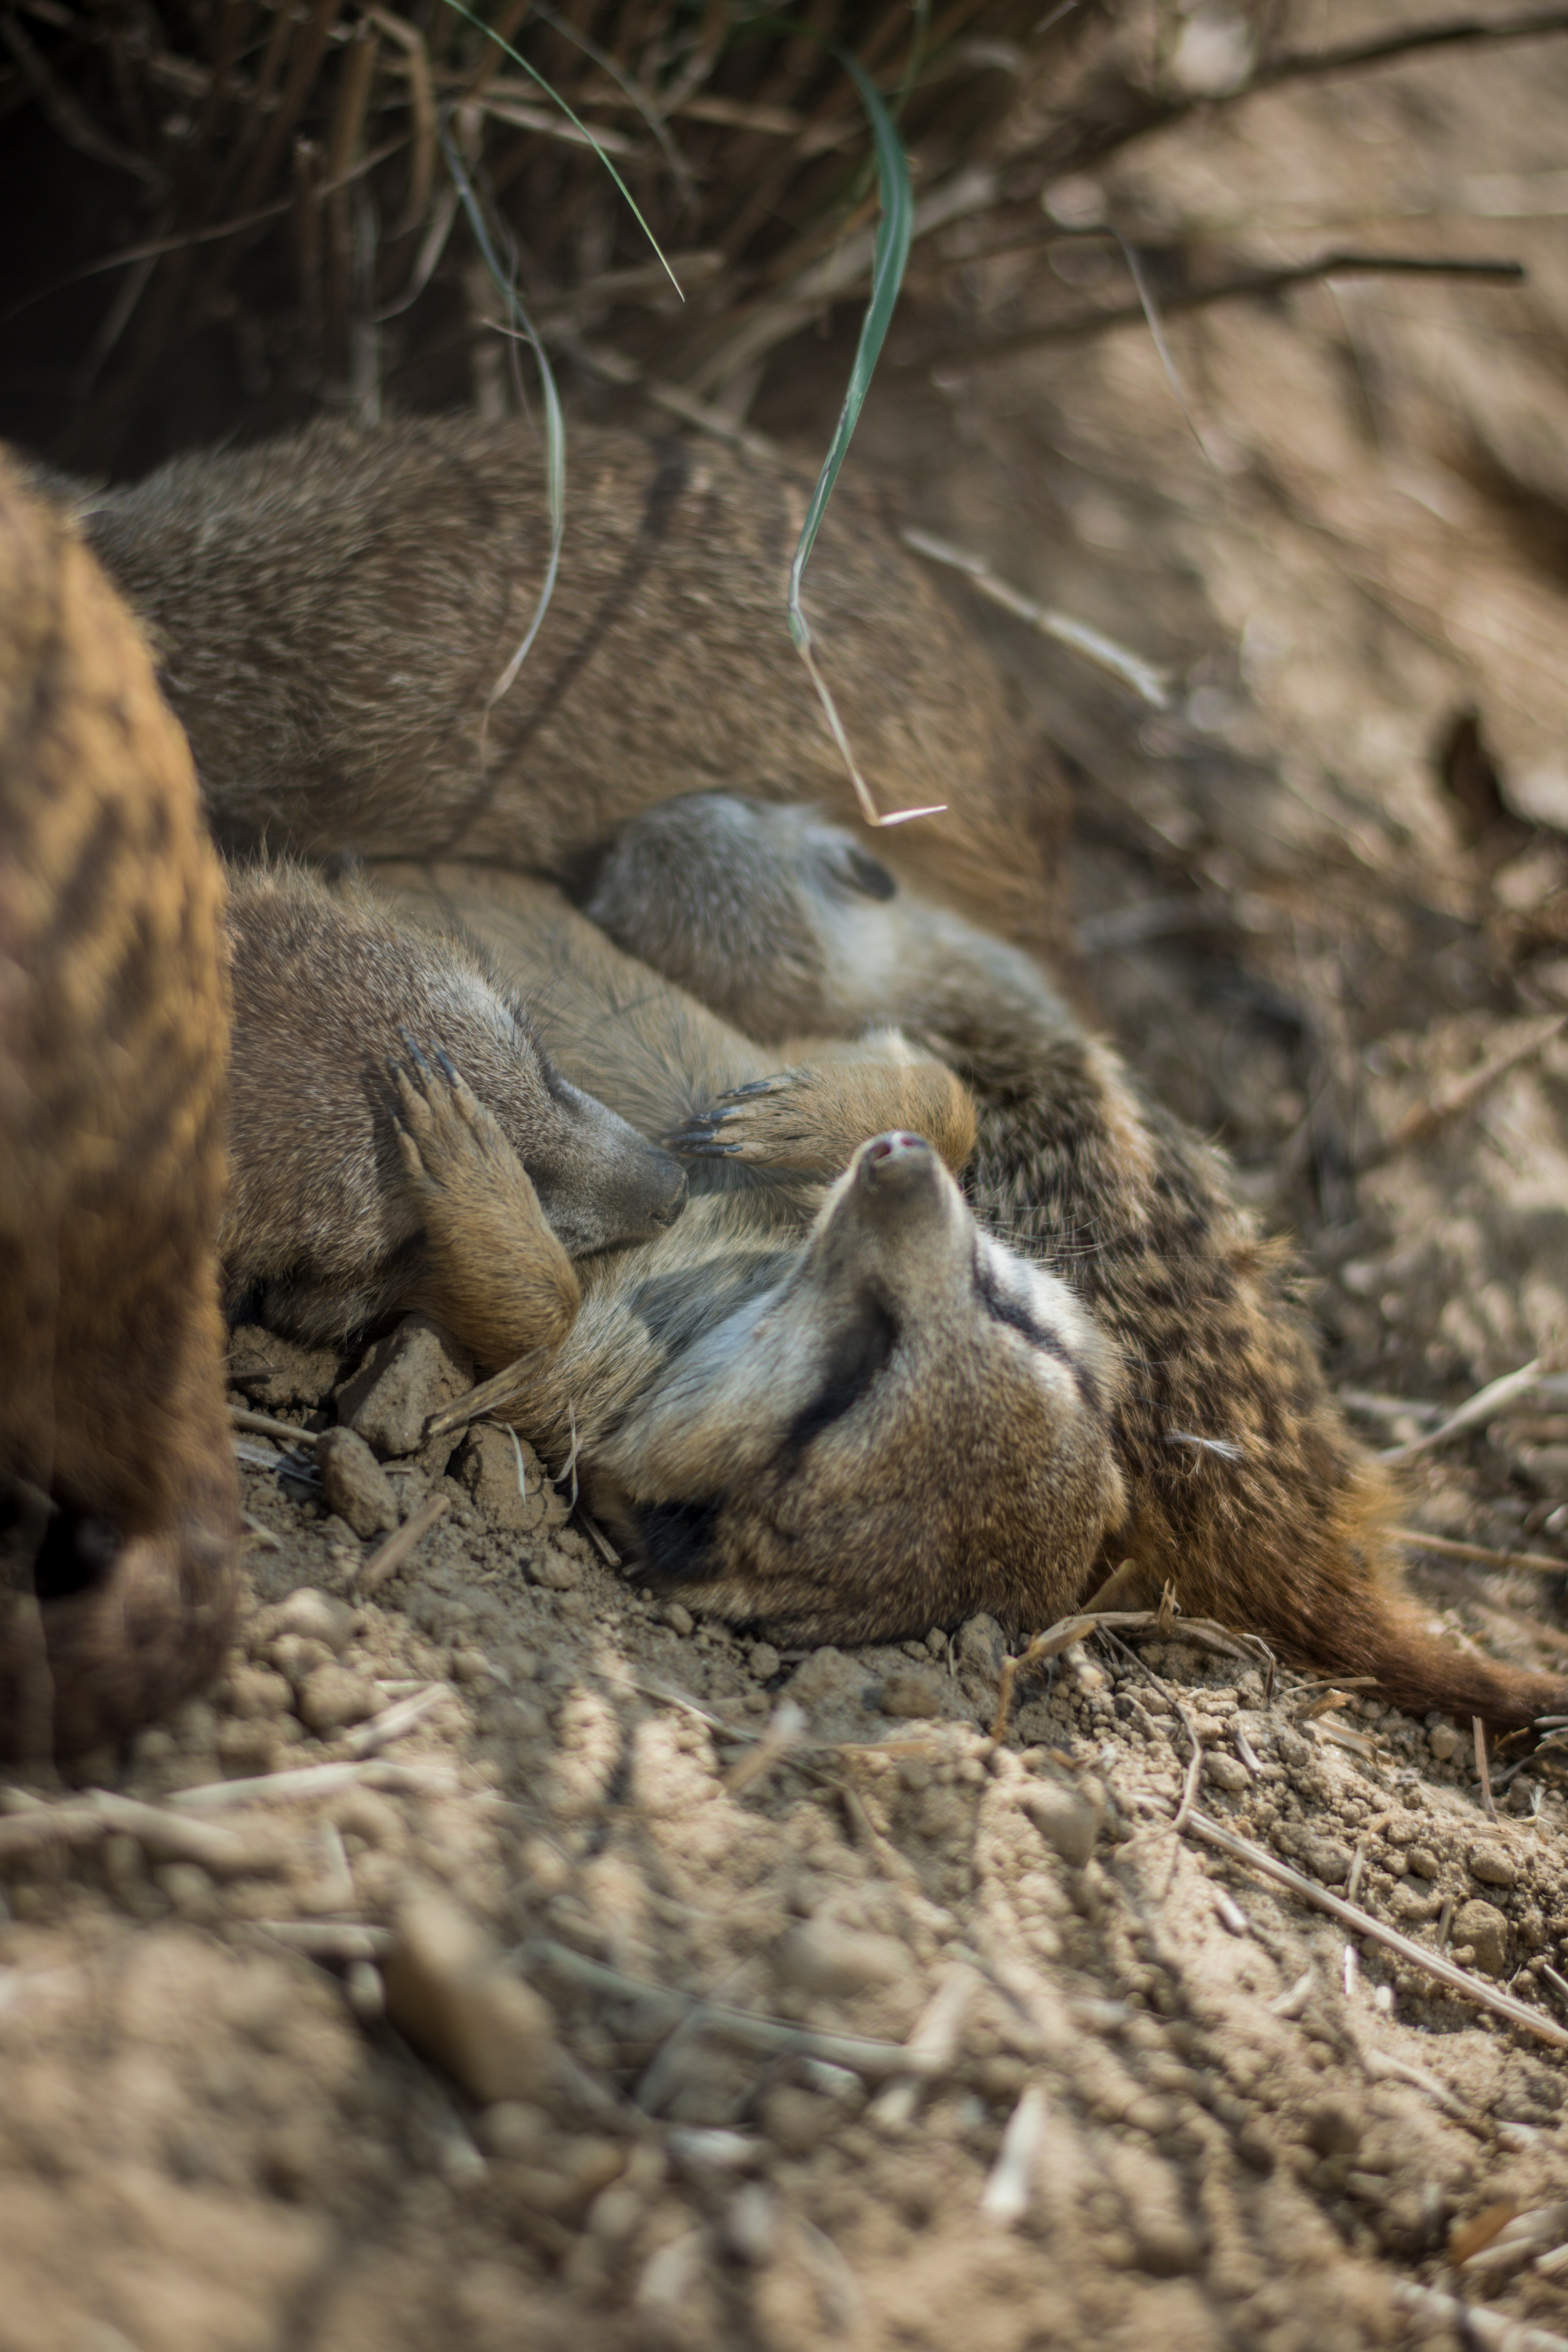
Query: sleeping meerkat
[[334, 613], [323, 1230], [1247, 1487]]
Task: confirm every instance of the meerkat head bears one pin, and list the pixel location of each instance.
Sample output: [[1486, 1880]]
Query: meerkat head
[[742, 902], [910, 1425], [787, 924]]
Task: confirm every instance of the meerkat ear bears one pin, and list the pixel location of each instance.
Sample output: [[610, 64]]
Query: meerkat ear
[[676, 1538]]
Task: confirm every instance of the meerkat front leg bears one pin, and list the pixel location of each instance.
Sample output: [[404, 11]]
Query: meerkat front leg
[[815, 1116], [495, 1273]]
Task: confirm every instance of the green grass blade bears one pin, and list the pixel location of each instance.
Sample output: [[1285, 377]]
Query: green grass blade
[[556, 99], [554, 421], [893, 235]]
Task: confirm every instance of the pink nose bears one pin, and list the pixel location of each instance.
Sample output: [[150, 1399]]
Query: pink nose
[[890, 1147]]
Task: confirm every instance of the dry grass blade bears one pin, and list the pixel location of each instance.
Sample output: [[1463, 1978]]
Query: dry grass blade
[[475, 1402], [1257, 1858], [1489, 2331], [306, 1783], [262, 1424], [874, 2060], [386, 1563], [1200, 1631], [1151, 684], [1483, 1768]]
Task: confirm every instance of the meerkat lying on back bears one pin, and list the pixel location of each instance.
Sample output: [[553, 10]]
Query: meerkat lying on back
[[333, 613], [825, 1399], [1246, 1488]]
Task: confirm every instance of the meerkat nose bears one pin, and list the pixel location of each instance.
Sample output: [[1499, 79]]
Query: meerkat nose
[[888, 1159]]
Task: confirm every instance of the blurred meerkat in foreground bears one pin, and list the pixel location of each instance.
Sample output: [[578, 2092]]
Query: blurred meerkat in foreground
[[336, 613], [119, 1509]]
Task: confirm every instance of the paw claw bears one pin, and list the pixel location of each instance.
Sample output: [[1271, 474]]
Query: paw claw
[[445, 1064]]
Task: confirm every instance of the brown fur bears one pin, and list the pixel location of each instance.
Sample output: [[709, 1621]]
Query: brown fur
[[1248, 1488], [324, 1227], [834, 1406], [117, 1502], [332, 613]]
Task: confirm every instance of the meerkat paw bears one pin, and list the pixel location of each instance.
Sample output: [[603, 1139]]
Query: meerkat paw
[[445, 1134], [767, 1124], [496, 1275], [814, 1117]]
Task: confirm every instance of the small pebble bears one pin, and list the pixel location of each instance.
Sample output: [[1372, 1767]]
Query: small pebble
[[354, 1485], [910, 1693], [332, 1697], [1493, 1866], [448, 1991], [1482, 1927]]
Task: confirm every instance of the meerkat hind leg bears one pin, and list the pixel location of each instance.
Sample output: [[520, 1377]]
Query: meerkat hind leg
[[494, 1273], [816, 1114]]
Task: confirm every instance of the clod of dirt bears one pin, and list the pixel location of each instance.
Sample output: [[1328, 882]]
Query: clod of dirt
[[509, 1483], [1066, 1820], [354, 1483], [821, 1955], [273, 1372], [313, 1614], [406, 1378], [1480, 1935], [330, 1697], [1493, 1866], [909, 1692], [448, 1991]]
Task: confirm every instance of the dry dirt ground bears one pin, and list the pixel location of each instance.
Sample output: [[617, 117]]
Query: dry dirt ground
[[495, 1958]]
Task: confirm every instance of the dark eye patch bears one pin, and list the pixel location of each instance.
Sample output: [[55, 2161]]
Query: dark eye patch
[[860, 1353], [1004, 1308], [851, 865]]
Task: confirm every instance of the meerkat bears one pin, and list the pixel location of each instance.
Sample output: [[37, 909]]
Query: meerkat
[[825, 1399], [119, 1510], [337, 615], [322, 1238], [1247, 1490]]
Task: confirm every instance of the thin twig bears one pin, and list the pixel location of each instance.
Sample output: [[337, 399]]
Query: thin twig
[[1195, 1769], [1261, 285], [1461, 1093], [1482, 1406], [1364, 1922], [386, 1562], [1449, 1548], [1353, 56]]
